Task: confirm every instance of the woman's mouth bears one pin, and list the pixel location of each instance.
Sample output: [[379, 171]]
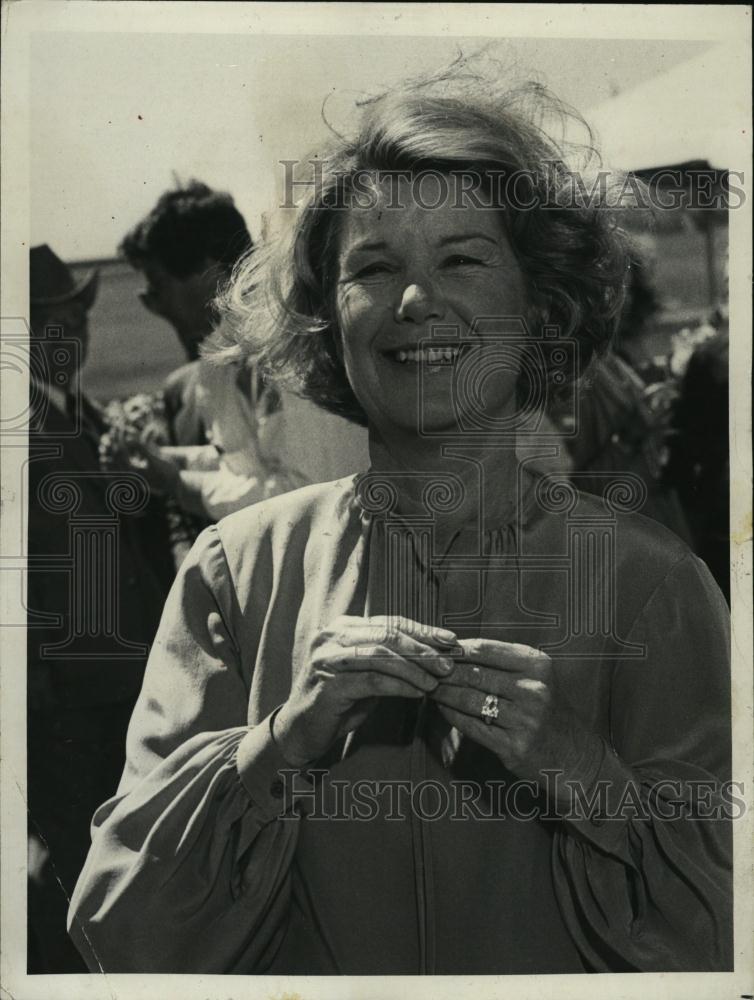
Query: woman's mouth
[[437, 356]]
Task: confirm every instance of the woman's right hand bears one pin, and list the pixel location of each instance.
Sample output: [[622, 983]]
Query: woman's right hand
[[353, 662]]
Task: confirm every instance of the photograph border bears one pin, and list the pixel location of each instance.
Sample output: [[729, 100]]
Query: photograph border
[[730, 24]]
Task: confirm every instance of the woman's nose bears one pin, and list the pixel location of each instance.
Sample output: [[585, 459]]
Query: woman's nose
[[419, 303]]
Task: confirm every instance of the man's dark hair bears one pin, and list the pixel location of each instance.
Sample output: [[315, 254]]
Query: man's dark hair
[[185, 227]]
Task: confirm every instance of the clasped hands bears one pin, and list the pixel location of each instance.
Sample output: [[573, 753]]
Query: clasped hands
[[354, 661]]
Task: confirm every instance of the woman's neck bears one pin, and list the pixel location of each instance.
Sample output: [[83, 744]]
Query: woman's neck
[[481, 477]]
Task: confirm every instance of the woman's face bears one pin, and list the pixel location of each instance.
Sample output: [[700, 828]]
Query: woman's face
[[401, 274]]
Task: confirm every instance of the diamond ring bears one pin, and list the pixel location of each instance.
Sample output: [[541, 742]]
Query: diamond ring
[[489, 709]]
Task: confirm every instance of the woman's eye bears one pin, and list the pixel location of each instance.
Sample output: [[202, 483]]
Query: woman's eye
[[460, 260], [371, 270]]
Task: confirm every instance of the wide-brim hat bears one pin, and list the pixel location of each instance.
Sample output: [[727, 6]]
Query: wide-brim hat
[[51, 281]]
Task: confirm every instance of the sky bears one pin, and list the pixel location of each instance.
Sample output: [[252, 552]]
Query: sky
[[116, 118]]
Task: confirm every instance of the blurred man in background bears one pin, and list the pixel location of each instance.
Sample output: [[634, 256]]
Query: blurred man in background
[[186, 247], [220, 418], [94, 602], [233, 443]]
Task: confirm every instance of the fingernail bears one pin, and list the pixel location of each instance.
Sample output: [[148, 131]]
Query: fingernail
[[446, 665], [444, 635]]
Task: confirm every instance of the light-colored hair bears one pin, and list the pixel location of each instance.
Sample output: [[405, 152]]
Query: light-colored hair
[[279, 306]]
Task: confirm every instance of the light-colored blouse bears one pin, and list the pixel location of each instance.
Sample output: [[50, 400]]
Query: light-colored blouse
[[214, 858]]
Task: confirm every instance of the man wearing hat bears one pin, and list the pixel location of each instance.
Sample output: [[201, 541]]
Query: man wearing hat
[[94, 603], [59, 306]]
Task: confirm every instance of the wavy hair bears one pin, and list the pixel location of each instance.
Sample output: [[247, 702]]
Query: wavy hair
[[279, 305]]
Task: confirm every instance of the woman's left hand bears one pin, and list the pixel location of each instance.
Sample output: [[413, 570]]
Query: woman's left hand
[[526, 723]]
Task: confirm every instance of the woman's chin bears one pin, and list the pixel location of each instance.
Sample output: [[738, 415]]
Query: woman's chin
[[428, 423], [430, 418]]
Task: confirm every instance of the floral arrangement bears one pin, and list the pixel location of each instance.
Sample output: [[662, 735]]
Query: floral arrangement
[[141, 419]]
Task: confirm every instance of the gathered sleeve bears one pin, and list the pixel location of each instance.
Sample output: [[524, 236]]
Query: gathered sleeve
[[643, 873], [215, 493], [189, 865]]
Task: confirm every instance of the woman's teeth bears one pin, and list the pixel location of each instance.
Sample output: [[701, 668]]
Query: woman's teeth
[[428, 356]]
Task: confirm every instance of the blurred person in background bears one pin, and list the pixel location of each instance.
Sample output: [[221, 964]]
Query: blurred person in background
[[186, 247], [699, 450], [80, 695], [623, 422], [227, 430], [699, 457]]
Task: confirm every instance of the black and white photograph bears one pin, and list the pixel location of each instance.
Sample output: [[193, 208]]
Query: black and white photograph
[[376, 533]]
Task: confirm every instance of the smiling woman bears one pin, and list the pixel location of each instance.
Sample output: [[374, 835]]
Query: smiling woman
[[448, 716], [488, 148], [429, 267]]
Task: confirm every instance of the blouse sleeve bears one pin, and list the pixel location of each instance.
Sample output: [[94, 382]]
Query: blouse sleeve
[[215, 493], [189, 865], [643, 867]]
